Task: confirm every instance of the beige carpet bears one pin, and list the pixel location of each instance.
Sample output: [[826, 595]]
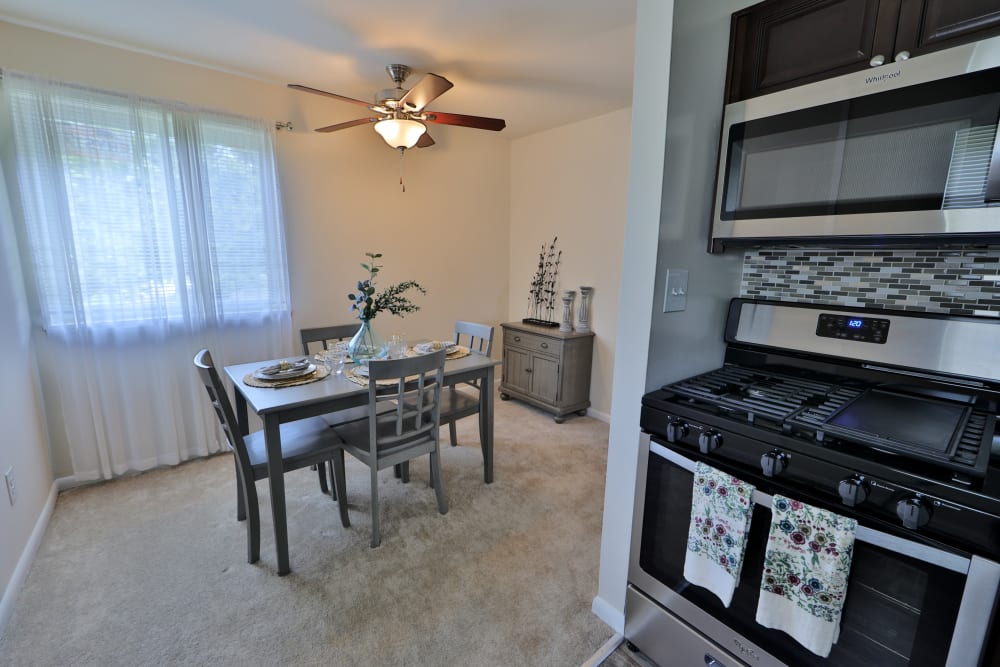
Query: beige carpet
[[151, 570]]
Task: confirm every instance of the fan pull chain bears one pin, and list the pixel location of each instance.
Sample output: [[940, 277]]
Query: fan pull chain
[[402, 185]]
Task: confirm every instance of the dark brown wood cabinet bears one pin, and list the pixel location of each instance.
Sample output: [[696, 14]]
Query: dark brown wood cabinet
[[779, 44]]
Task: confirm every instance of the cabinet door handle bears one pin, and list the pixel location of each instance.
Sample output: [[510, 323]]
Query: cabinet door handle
[[517, 339], [901, 56], [545, 346], [877, 60], [527, 370]]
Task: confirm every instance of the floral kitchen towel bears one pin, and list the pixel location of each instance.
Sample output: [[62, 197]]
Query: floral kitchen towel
[[721, 506], [806, 565]]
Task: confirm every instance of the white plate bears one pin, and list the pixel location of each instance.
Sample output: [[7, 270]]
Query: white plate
[[427, 348], [284, 375]]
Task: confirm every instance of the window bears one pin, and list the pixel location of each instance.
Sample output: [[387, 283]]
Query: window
[[138, 211]]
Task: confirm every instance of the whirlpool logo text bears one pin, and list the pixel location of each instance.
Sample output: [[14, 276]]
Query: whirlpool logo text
[[882, 77]]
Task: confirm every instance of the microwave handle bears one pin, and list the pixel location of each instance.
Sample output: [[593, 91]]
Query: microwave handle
[[993, 176], [887, 541]]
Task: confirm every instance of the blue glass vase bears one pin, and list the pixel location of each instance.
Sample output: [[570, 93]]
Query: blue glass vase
[[366, 344]]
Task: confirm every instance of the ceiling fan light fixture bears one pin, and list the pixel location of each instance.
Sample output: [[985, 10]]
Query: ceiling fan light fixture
[[400, 132]]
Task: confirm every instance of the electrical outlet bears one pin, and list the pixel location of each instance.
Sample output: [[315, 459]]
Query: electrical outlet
[[11, 489]]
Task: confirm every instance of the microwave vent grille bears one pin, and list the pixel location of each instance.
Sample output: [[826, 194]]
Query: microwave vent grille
[[970, 163]]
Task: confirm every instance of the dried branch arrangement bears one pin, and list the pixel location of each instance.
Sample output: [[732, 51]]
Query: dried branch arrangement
[[542, 294]]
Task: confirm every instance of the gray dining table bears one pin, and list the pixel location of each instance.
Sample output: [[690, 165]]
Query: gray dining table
[[276, 406]]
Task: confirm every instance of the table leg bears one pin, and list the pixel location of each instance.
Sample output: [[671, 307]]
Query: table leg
[[486, 424], [242, 417], [276, 481]]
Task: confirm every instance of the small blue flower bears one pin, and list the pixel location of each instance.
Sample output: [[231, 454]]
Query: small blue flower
[[781, 504]]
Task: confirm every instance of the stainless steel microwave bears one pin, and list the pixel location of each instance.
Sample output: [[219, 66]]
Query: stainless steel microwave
[[906, 153]]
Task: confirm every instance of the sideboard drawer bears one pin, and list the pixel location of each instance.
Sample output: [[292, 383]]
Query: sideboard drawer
[[532, 343]]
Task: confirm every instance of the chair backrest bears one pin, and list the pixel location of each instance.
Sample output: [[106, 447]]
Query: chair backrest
[[479, 336], [326, 335], [413, 385], [223, 408]]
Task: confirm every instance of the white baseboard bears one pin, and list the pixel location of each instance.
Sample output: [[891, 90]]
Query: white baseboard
[[64, 483], [605, 611], [24, 562], [597, 414]]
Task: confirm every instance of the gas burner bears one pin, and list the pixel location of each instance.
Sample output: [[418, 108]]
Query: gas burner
[[827, 410]]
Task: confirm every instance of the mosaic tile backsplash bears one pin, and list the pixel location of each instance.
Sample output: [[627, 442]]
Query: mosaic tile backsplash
[[957, 281]]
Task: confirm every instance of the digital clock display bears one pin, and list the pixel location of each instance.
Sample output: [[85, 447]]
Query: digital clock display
[[853, 328]]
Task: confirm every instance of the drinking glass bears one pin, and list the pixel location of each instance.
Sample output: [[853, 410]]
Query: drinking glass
[[397, 346], [338, 359]]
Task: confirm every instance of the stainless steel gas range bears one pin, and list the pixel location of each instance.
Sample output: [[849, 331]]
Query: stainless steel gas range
[[887, 417]]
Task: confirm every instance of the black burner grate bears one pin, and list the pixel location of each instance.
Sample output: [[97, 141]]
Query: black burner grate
[[810, 406]]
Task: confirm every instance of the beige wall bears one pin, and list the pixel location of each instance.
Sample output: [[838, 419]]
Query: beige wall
[[571, 182], [23, 445], [341, 192], [341, 197]]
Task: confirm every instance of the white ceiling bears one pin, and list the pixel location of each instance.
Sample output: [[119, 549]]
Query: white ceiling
[[536, 63]]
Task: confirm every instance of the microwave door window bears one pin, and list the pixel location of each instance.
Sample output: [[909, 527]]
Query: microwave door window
[[927, 147]]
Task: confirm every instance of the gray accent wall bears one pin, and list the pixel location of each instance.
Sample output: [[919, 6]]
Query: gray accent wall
[[690, 341], [962, 280]]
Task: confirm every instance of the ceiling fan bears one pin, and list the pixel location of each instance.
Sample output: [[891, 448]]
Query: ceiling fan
[[401, 116]]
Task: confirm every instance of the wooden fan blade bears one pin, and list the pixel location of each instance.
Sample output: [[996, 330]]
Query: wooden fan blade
[[424, 141], [335, 96], [344, 126], [427, 90], [478, 122]]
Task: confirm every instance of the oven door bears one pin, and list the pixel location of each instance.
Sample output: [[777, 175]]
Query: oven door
[[908, 604]]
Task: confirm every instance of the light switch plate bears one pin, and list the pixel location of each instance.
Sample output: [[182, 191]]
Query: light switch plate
[[675, 293]]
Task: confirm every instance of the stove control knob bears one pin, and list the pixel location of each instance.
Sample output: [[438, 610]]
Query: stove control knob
[[853, 490], [676, 430], [773, 463], [913, 512], [709, 441]]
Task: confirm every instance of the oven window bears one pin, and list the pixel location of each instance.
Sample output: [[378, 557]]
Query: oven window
[[926, 147], [899, 611]]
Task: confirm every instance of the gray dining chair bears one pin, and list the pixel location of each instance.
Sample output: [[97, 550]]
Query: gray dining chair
[[326, 335], [313, 340], [304, 442], [456, 404], [412, 387]]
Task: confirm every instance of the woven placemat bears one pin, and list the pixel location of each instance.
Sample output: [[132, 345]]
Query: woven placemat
[[457, 353], [318, 374], [357, 378]]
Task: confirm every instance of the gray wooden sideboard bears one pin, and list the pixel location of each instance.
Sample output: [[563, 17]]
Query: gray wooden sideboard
[[547, 368]]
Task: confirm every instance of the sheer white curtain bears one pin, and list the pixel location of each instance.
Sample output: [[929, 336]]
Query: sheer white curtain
[[148, 230]]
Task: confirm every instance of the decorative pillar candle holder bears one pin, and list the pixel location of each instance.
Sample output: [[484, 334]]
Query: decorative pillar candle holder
[[583, 315], [567, 320]]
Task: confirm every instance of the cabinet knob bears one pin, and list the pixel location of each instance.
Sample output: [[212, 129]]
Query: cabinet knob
[[877, 60], [901, 56], [517, 339], [527, 370], [545, 346]]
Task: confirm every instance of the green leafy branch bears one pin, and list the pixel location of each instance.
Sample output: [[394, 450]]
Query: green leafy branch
[[366, 304]]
